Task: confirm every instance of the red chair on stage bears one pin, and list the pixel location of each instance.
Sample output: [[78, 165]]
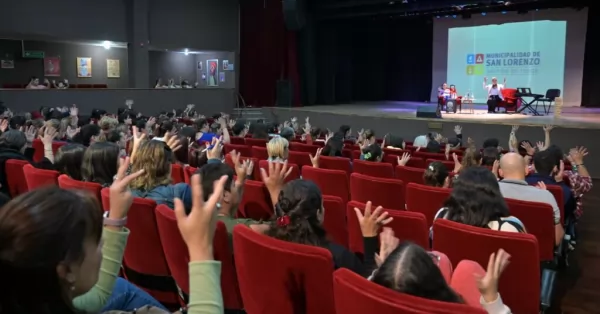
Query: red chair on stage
[[354, 294], [510, 102], [278, 277]]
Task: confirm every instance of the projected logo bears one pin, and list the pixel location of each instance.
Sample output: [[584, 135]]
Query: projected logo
[[475, 64]]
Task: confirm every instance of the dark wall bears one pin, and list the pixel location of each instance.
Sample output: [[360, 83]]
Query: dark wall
[[197, 24], [173, 65], [25, 68], [147, 101], [64, 19], [373, 60]]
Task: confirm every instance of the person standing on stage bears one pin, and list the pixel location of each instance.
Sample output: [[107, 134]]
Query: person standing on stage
[[494, 93]]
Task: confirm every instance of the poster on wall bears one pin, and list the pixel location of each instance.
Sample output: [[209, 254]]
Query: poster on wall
[[227, 66], [84, 67], [52, 66], [222, 77], [7, 64], [113, 68], [213, 72]]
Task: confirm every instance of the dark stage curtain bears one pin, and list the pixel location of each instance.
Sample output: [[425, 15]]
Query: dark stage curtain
[[268, 52], [371, 60], [590, 96]]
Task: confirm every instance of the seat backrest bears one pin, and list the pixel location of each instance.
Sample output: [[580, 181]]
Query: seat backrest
[[299, 158], [244, 150], [256, 142], [38, 147], [354, 294], [538, 219], [256, 201], [305, 148], [281, 277], [15, 178], [331, 182], [521, 278], [65, 182], [407, 226], [295, 174], [237, 140], [188, 172], [553, 93], [410, 174], [178, 258], [449, 164], [462, 281], [373, 169], [559, 196], [388, 193], [36, 178], [335, 163], [509, 92], [425, 199], [426, 155], [177, 173], [334, 220], [260, 153]]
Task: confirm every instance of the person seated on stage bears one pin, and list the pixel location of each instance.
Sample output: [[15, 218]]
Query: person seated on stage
[[278, 149], [452, 92], [443, 94], [494, 91], [437, 175]]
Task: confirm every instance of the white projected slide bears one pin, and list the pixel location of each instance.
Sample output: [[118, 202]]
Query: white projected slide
[[527, 54]]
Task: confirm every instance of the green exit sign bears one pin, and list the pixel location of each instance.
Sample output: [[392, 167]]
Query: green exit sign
[[33, 54]]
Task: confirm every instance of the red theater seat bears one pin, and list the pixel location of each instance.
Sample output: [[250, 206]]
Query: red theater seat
[[15, 177], [37, 178], [65, 182]]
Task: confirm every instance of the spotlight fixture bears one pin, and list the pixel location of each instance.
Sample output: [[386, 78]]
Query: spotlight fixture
[[106, 44]]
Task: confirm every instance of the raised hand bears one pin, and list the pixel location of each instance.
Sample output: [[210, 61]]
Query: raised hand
[[530, 150], [48, 136], [241, 167], [488, 284], [198, 227], [577, 154], [275, 178], [387, 244], [540, 146], [458, 129], [371, 221], [457, 164], [215, 149], [172, 141], [120, 194], [3, 125], [315, 159], [548, 128], [402, 161]]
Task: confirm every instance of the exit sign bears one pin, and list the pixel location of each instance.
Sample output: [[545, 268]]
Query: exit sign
[[33, 54]]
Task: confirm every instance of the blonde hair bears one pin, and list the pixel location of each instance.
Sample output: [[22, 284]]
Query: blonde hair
[[277, 147], [471, 157], [155, 157], [107, 123]]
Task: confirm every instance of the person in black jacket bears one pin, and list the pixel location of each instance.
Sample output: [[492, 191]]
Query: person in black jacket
[[13, 145]]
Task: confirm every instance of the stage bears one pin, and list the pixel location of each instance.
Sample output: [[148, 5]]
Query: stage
[[571, 117], [575, 126]]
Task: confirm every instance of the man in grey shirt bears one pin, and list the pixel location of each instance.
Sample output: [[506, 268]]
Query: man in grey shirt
[[514, 169]]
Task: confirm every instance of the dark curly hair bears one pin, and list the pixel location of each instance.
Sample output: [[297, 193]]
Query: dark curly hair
[[302, 202], [476, 198], [435, 174]]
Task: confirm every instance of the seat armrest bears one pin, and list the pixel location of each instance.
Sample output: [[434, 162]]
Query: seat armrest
[[547, 289]]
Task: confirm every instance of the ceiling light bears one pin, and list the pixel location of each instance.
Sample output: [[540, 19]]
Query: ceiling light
[[106, 44]]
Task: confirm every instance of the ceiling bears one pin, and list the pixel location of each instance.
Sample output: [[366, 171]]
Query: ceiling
[[344, 9]]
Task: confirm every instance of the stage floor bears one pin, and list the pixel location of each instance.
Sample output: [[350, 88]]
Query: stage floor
[[571, 117]]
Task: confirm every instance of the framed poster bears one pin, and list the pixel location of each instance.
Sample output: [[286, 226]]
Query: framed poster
[[113, 68], [7, 64], [212, 78], [84, 67], [52, 66]]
